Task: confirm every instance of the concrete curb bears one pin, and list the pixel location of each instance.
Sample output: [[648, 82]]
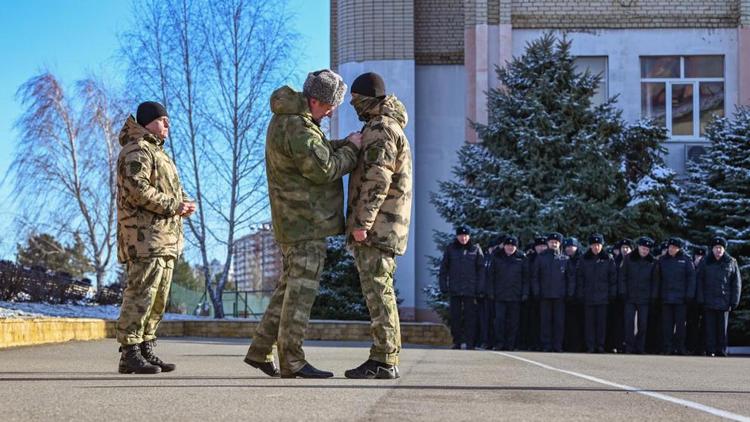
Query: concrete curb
[[26, 332]]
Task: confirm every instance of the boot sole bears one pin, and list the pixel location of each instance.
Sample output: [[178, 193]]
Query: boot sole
[[288, 376], [150, 372]]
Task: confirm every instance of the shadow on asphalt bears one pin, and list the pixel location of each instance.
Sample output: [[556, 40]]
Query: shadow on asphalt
[[376, 384], [386, 386]]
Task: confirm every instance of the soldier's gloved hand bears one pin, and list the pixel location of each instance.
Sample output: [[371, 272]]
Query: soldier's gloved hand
[[359, 235], [355, 138]]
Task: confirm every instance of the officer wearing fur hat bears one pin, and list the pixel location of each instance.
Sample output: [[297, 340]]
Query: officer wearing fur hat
[[150, 207], [676, 290], [695, 329], [596, 277], [304, 172], [719, 287], [378, 217], [574, 312], [616, 309], [637, 280], [529, 325], [552, 281], [507, 288], [460, 272]]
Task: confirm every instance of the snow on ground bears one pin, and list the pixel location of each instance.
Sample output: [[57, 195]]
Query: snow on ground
[[80, 310]]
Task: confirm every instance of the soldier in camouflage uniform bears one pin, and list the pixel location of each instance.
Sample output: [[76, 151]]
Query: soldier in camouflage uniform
[[378, 214], [150, 207], [304, 173]]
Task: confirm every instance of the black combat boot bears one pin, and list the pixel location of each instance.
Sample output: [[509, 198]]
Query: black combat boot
[[147, 350], [132, 362], [372, 369]]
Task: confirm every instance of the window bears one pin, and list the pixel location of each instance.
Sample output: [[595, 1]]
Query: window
[[682, 93], [597, 65]]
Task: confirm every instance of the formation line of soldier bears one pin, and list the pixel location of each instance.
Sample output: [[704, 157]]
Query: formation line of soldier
[[555, 297], [306, 193]]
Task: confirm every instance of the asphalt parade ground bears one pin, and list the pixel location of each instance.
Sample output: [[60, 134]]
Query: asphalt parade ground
[[78, 381]]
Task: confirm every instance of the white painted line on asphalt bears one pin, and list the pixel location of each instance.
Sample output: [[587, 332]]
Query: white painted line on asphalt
[[691, 404]]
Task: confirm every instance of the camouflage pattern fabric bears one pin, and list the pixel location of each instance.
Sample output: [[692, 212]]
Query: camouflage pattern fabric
[[380, 187], [144, 299], [288, 313], [304, 172], [148, 195], [376, 268]]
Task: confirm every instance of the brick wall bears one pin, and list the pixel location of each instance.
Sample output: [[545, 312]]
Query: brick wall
[[439, 31], [745, 13], [574, 14], [374, 30], [31, 331], [334, 47]]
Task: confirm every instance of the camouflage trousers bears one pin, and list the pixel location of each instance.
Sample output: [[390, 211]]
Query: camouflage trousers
[[144, 299], [376, 268], [288, 313]]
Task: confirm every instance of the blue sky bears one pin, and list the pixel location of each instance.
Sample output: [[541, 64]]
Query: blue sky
[[75, 37]]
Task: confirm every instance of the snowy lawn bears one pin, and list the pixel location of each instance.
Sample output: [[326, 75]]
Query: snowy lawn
[[81, 310]]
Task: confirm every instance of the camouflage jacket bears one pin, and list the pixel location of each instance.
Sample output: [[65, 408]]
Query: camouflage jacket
[[380, 187], [148, 194], [304, 172]]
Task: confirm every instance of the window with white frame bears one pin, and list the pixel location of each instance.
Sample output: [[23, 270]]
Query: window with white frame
[[682, 93], [597, 65]]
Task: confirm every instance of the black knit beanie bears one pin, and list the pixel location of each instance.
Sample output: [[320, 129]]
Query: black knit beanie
[[149, 111], [369, 84]]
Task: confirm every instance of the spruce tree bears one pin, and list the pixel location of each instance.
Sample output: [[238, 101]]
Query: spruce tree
[[552, 160], [717, 201], [340, 295]]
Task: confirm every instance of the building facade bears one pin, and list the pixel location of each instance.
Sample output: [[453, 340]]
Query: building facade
[[679, 62], [257, 260]]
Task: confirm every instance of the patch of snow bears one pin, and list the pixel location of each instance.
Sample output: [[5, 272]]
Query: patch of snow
[[80, 310]]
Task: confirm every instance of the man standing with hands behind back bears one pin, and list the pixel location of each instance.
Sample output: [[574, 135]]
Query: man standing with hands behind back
[[150, 207]]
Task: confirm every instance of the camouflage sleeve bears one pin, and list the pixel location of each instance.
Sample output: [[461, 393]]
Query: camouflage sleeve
[[379, 161], [340, 143], [317, 159], [186, 197], [134, 172]]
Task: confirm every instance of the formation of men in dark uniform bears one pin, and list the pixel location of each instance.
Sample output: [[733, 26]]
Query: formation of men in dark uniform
[[636, 297]]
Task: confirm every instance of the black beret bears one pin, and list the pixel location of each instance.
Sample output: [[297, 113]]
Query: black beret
[[699, 251], [462, 230], [540, 240], [511, 240]]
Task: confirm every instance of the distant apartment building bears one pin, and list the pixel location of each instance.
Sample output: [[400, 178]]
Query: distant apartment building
[[257, 260], [678, 62]]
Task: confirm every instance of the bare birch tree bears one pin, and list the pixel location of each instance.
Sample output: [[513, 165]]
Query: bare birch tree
[[64, 161], [215, 64]]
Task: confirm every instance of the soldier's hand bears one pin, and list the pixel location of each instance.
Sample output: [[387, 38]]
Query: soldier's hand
[[360, 235], [355, 138], [185, 209]]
